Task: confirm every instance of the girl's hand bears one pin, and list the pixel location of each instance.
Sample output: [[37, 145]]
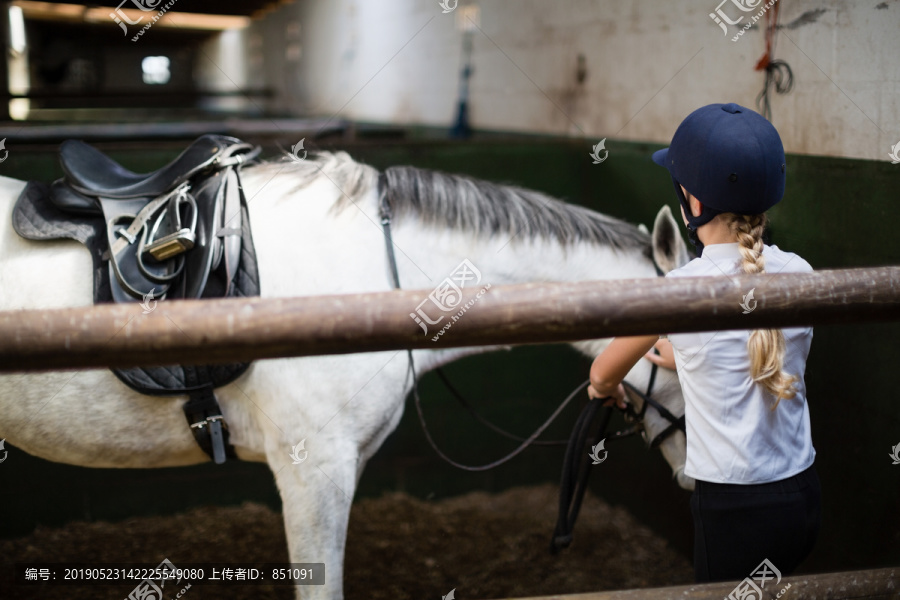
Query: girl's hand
[[617, 396], [666, 356]]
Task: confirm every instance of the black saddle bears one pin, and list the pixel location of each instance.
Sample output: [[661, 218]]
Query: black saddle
[[165, 230], [179, 232], [92, 172]]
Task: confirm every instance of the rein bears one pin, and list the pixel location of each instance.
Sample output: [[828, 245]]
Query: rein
[[386, 216], [576, 469], [582, 426]]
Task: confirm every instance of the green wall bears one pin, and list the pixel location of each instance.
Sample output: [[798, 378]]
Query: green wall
[[836, 213]]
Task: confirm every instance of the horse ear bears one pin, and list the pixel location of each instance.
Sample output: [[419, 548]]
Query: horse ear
[[669, 249]]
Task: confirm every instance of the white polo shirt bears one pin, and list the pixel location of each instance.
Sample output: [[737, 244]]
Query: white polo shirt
[[732, 435]]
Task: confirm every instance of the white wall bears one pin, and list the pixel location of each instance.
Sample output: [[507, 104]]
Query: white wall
[[223, 64], [649, 63]]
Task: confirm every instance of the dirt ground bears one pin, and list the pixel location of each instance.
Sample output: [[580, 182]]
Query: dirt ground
[[481, 545]]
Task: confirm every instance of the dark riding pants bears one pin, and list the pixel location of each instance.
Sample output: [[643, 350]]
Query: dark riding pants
[[736, 527]]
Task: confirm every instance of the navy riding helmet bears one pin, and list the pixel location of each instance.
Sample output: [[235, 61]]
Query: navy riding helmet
[[728, 157]]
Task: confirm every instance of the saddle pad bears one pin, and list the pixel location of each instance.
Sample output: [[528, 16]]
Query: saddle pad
[[36, 218]]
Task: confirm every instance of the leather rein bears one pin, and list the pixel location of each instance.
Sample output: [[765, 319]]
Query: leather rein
[[675, 423]]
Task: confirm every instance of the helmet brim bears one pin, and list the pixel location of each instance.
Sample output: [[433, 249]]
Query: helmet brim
[[659, 157]]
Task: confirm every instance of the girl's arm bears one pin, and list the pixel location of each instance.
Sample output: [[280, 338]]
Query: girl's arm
[[614, 363]]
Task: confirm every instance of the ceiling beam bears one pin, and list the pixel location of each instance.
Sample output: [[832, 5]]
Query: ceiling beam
[[79, 13]]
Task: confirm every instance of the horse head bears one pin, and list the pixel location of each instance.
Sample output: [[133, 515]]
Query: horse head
[[669, 252], [666, 251]]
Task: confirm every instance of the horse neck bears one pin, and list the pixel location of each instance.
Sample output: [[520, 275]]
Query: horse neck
[[504, 259], [343, 251], [428, 255]]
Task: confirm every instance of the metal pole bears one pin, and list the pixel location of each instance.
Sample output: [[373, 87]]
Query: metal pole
[[210, 331]]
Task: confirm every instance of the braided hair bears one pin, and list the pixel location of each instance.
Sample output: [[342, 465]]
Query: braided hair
[[766, 347]]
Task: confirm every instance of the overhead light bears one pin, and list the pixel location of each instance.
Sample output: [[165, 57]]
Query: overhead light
[[16, 29]]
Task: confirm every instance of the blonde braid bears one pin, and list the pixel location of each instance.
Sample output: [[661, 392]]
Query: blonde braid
[[766, 347]]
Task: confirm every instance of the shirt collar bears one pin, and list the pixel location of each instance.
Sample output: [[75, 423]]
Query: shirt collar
[[722, 251], [727, 257]]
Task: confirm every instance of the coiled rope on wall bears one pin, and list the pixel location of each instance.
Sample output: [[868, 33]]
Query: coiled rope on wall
[[778, 72]]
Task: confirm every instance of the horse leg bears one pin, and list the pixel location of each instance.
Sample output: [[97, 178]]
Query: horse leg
[[342, 408], [316, 496]]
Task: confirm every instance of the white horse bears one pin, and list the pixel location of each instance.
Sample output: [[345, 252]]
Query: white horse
[[317, 230]]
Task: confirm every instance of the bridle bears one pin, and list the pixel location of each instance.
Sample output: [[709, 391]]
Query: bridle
[[675, 423], [574, 477]]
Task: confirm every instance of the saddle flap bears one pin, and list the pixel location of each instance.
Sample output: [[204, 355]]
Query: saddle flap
[[177, 264], [131, 276], [207, 247]]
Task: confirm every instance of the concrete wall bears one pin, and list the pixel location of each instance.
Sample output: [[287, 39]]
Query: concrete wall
[[647, 65]]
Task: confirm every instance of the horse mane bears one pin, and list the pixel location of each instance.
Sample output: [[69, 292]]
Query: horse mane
[[466, 204]]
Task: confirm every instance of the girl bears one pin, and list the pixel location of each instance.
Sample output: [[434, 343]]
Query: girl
[[749, 446]]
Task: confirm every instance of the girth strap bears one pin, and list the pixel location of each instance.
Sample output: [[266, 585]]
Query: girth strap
[[205, 416]]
